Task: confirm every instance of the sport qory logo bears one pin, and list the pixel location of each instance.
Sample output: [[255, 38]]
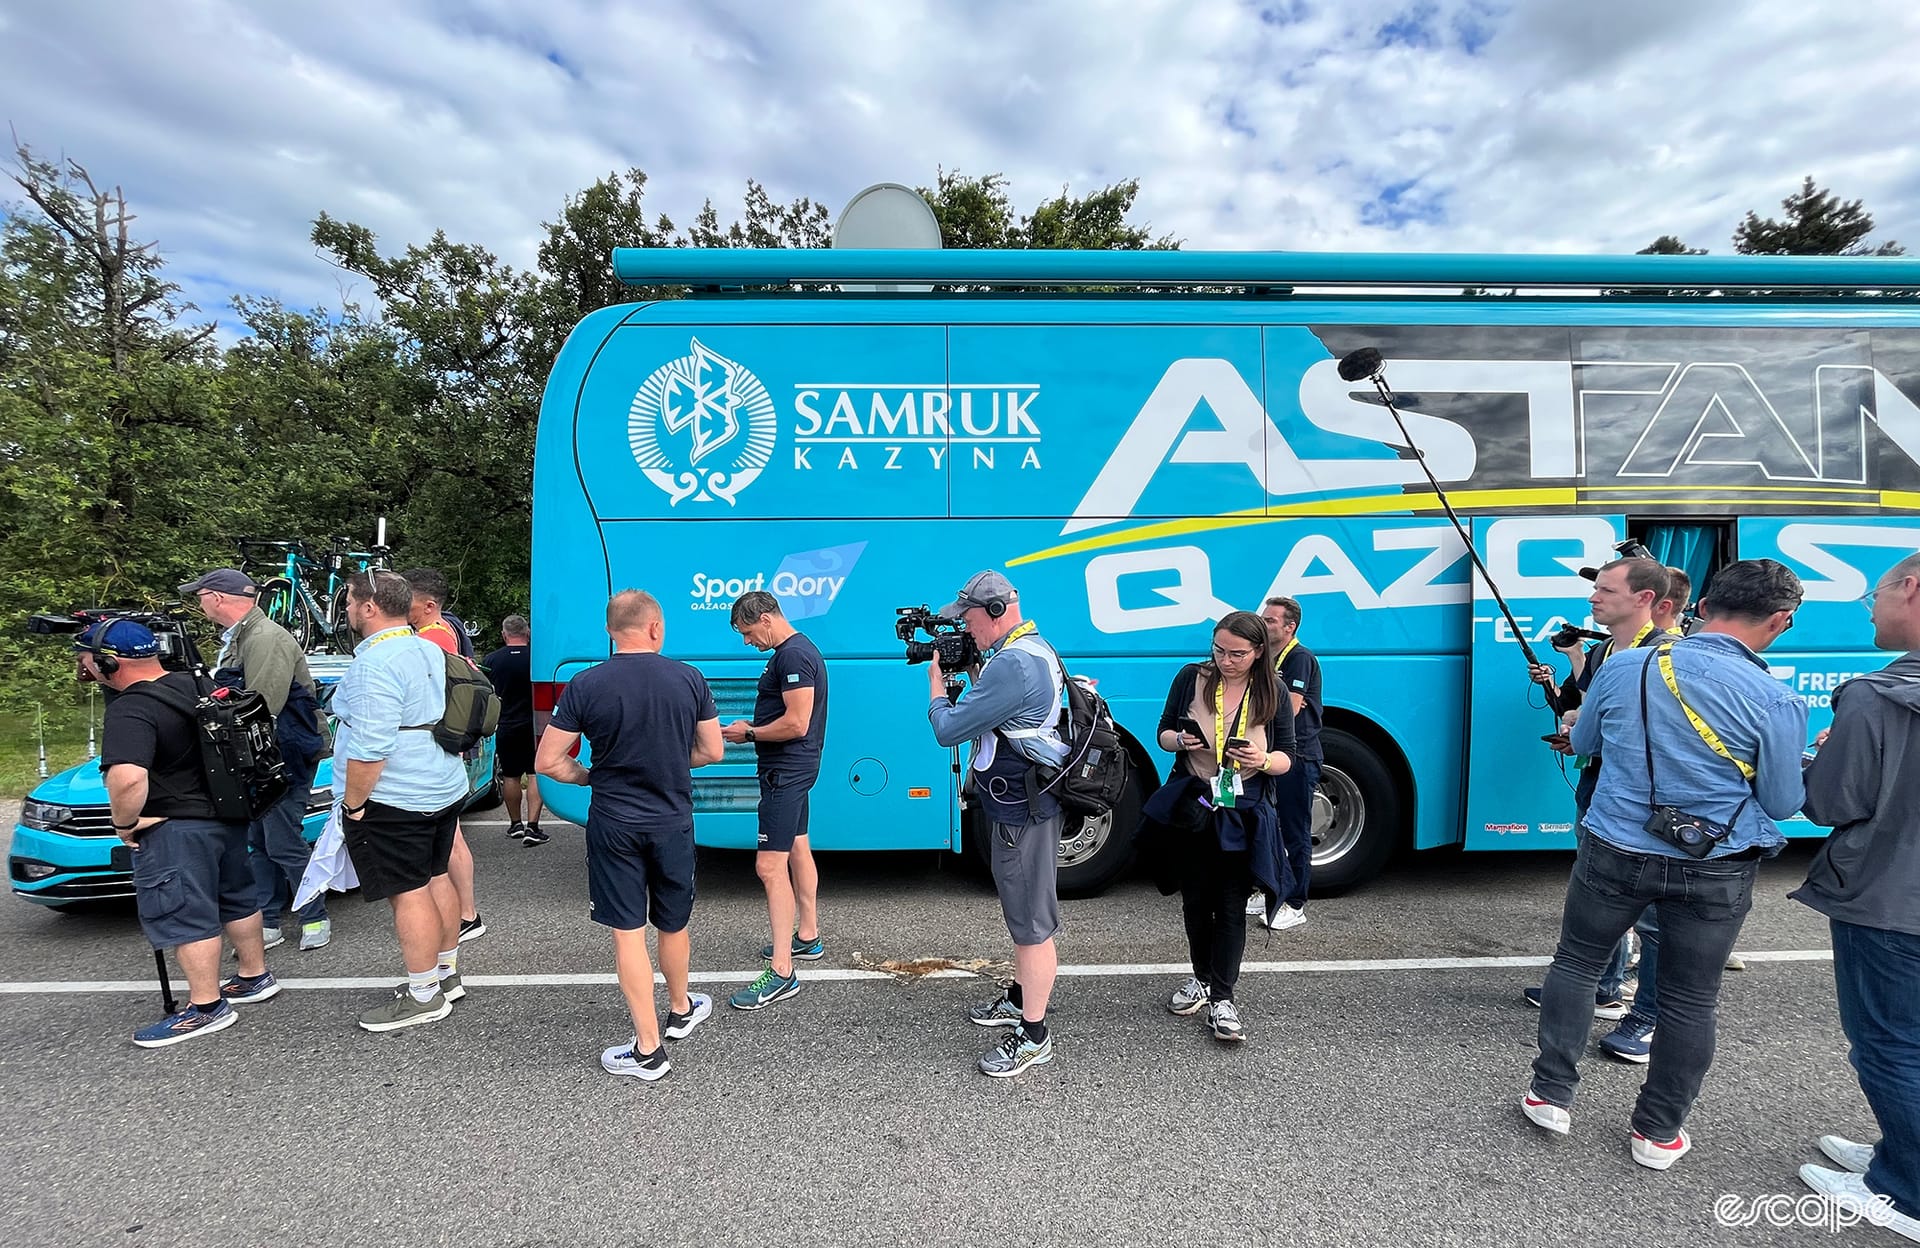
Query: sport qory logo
[[702, 427], [806, 583]]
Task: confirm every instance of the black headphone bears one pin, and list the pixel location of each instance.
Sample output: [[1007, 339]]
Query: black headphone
[[107, 664], [994, 607]]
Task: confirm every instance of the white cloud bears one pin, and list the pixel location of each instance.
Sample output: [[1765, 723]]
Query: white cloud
[[1529, 127]]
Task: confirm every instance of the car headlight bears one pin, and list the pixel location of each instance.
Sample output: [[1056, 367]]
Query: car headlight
[[44, 816]]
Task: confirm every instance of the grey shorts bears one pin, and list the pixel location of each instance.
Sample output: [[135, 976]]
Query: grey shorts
[[191, 877], [1026, 875]]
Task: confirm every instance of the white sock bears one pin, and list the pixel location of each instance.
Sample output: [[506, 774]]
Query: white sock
[[423, 985], [450, 962]]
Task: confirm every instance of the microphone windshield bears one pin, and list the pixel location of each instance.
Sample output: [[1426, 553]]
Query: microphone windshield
[[1356, 365]]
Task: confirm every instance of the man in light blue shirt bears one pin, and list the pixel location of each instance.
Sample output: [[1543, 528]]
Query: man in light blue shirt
[[1700, 730], [400, 794]]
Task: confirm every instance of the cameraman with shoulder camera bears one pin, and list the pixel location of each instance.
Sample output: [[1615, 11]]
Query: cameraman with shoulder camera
[[1009, 712], [190, 870], [258, 654], [1698, 721]]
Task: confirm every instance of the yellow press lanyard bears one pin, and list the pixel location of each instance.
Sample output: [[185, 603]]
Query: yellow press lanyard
[[1220, 721], [1014, 636], [1287, 650], [389, 635], [1700, 726]]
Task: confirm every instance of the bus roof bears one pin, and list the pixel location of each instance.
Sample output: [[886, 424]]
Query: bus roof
[[748, 266]]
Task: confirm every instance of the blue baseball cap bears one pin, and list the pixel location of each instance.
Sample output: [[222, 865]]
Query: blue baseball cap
[[124, 639]]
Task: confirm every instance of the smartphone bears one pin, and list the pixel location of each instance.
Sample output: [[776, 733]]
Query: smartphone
[[1191, 727], [1239, 743]]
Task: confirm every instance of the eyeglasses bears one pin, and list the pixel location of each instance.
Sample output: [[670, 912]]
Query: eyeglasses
[[1871, 596], [1235, 655]]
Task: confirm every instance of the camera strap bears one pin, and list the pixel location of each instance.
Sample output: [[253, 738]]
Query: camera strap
[[1646, 736]]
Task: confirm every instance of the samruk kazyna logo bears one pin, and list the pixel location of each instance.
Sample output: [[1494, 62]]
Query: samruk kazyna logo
[[702, 427]]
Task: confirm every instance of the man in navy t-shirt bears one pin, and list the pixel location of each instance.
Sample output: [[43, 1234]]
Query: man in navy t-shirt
[[787, 731], [1299, 672], [649, 722]]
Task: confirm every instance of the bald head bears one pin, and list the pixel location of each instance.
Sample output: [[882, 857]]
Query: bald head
[[634, 620]]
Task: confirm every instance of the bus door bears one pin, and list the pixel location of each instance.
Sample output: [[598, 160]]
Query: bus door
[[1519, 790]]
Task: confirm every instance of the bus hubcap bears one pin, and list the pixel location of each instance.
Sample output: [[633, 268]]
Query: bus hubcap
[[1339, 816], [1083, 844]]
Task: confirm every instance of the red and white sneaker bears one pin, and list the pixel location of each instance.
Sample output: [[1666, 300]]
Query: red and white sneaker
[[1657, 1156], [1546, 1115]]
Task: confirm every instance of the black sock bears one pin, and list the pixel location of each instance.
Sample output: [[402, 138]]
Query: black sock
[[1036, 1031], [1013, 994], [209, 1009]]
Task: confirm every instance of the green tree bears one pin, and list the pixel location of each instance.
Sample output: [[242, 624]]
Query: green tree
[[977, 212], [1817, 223], [1668, 245]]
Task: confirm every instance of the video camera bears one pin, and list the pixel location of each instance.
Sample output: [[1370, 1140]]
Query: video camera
[[949, 638], [177, 651]]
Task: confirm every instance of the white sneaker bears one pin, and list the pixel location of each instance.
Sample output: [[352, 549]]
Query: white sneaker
[[316, 935], [1546, 1114], [272, 937], [1288, 916], [1257, 904], [1851, 1156], [1657, 1156], [1224, 1021], [1850, 1192], [625, 1059], [1188, 997]]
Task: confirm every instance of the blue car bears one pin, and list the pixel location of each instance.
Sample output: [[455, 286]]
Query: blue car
[[64, 850]]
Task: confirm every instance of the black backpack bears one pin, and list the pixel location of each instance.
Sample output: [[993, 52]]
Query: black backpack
[[239, 751], [473, 708], [1090, 779]]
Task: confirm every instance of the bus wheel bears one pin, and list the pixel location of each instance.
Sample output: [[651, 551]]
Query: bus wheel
[[1356, 814], [1095, 849]]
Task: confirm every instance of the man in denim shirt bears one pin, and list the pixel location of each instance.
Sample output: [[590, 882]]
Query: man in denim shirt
[[1622, 867]]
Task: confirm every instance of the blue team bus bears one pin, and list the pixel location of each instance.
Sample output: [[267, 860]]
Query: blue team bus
[[1146, 440]]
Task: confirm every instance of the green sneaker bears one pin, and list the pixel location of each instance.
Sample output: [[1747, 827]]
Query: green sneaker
[[1015, 1053], [771, 986], [404, 1011]]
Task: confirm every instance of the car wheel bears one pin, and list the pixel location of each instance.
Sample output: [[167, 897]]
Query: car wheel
[[1357, 813]]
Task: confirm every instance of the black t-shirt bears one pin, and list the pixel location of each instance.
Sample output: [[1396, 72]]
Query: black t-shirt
[[1300, 673], [140, 729], [638, 712], [511, 672], [794, 664]]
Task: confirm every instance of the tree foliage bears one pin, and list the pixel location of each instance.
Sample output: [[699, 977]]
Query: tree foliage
[[1817, 223]]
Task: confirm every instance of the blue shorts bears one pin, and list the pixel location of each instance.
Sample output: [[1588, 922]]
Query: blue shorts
[[783, 808], [191, 877], [637, 874]]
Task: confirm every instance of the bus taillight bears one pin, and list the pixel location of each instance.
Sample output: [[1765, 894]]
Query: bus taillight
[[546, 694]]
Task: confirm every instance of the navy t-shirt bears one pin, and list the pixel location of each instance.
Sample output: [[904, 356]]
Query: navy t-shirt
[[794, 664], [638, 712], [1300, 673], [141, 729], [512, 675]]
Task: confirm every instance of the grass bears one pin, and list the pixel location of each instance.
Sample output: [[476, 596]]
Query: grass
[[66, 736]]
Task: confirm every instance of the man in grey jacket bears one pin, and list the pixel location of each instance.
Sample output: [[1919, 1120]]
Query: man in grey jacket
[[258, 654], [1865, 785]]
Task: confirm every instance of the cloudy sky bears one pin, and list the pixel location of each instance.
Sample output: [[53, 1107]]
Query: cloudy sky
[[1437, 125]]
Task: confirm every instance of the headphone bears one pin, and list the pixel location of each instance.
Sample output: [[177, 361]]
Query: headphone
[[994, 607], [106, 664]]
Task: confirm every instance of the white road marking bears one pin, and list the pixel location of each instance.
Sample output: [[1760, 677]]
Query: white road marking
[[848, 975]]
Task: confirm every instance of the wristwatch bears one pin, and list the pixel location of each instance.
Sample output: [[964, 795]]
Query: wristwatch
[[749, 732], [351, 810]]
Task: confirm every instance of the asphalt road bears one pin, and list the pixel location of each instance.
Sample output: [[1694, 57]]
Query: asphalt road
[[1371, 1105]]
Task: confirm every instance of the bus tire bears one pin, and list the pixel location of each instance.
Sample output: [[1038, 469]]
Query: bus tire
[[1356, 814], [1094, 850]]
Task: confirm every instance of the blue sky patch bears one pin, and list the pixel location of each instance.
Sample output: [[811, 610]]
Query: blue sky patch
[[1403, 203]]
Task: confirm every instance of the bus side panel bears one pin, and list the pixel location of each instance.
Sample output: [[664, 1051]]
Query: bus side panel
[[1519, 791]]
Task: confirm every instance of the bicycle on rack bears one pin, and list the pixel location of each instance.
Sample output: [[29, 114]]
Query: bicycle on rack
[[295, 594]]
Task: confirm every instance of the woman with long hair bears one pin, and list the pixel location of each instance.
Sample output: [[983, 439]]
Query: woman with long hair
[[1222, 720]]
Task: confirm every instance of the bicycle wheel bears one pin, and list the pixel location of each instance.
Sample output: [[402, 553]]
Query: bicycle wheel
[[277, 601]]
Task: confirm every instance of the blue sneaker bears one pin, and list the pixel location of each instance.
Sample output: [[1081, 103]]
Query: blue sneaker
[[764, 991], [803, 950], [240, 990], [185, 1025], [1631, 1041]]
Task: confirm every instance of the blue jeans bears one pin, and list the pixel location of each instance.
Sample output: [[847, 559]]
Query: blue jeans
[[280, 853], [1646, 998], [1701, 906], [1877, 976]]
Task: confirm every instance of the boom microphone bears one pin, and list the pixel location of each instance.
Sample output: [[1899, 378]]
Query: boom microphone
[[1356, 365], [1367, 364]]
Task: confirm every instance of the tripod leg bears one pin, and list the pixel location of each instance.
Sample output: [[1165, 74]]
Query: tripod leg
[[166, 983]]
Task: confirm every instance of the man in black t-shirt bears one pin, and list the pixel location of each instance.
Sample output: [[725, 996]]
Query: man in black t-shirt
[[511, 672], [648, 722], [1299, 672], [190, 870], [788, 731]]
